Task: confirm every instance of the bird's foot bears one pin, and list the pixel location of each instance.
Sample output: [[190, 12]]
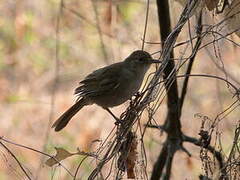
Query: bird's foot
[[117, 122], [134, 97], [137, 94]]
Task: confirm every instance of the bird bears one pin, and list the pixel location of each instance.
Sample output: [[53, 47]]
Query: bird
[[109, 86]]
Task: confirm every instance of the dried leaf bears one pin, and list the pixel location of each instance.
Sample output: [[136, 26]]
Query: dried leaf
[[128, 155], [131, 158], [60, 155]]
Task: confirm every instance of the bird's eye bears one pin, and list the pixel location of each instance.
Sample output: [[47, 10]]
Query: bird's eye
[[141, 59]]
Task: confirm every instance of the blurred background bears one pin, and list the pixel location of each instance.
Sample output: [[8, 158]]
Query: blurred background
[[37, 83]]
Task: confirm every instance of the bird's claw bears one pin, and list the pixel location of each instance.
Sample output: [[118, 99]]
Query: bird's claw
[[117, 122], [137, 94]]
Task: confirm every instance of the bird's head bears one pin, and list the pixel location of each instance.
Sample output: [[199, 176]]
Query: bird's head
[[140, 60]]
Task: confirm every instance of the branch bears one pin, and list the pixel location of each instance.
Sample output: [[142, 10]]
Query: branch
[[214, 152], [160, 163], [191, 60], [172, 122], [40, 152], [14, 157]]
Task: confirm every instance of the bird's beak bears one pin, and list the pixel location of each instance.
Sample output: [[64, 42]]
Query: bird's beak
[[151, 61]]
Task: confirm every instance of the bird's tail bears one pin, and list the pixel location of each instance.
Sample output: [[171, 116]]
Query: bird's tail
[[63, 120]]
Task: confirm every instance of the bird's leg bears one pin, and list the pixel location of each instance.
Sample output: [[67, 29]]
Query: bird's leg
[[118, 121]]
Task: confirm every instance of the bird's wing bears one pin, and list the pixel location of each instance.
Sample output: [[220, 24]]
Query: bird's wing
[[99, 82]]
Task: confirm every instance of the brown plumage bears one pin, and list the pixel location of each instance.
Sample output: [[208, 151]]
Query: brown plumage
[[109, 86]]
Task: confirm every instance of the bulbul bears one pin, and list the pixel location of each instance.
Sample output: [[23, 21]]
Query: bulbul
[[109, 86]]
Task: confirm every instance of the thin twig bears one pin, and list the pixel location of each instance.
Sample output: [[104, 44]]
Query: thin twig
[[79, 165], [216, 153], [145, 26], [40, 152], [191, 60], [16, 159]]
